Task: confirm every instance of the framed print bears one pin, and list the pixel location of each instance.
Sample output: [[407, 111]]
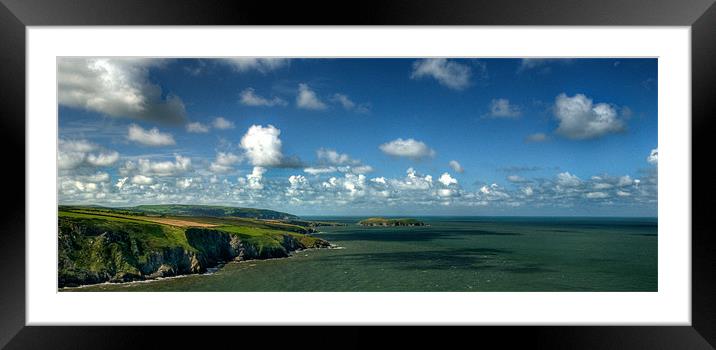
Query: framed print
[[468, 175]]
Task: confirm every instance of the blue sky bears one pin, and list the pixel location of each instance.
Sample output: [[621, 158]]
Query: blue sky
[[362, 136]]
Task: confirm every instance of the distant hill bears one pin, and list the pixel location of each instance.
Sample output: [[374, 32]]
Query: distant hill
[[211, 210], [390, 222]]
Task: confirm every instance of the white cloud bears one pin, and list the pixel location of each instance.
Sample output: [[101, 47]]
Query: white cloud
[[413, 181], [537, 137], [261, 65], [596, 195], [307, 98], [184, 183], [380, 180], [161, 168], [249, 97], [533, 63], [653, 157], [75, 153], [359, 169], [254, 179], [222, 123], [297, 180], [120, 183], [102, 159], [320, 170], [625, 181], [152, 137], [332, 157], [344, 101], [528, 191], [141, 180], [448, 73], [117, 87], [516, 179], [224, 162], [580, 119], [455, 165], [501, 108], [568, 180], [349, 104], [196, 127], [447, 180], [262, 146], [408, 148]]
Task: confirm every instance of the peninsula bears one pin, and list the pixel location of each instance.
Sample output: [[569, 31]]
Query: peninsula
[[100, 244]]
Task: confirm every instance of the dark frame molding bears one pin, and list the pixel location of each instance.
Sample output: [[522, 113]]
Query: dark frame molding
[[700, 15]]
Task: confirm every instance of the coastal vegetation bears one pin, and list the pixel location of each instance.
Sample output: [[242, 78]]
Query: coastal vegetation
[[390, 222], [98, 244]]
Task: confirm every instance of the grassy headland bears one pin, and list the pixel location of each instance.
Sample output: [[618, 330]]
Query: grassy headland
[[98, 244]]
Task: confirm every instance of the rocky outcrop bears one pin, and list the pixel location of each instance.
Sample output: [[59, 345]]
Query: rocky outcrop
[[90, 256]]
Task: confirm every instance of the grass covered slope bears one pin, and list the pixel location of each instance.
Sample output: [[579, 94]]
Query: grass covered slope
[[390, 222], [102, 244], [212, 210]]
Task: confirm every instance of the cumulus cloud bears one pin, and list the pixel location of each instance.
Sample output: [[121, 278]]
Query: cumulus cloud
[[152, 137], [568, 180], [262, 65], [141, 180], [248, 97], [408, 148], [262, 146], [502, 108], [455, 165], [653, 157], [254, 179], [308, 99], [580, 119], [449, 73], [222, 123], [72, 154], [147, 167], [224, 162], [537, 137], [117, 87], [196, 127], [447, 180], [413, 181]]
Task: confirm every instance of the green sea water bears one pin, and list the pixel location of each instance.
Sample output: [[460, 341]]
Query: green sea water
[[452, 254]]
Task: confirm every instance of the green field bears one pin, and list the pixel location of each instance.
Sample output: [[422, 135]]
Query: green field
[[105, 244]]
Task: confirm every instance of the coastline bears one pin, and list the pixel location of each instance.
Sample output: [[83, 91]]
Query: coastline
[[209, 270]]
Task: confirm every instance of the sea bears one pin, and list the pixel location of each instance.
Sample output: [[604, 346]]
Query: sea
[[451, 254]]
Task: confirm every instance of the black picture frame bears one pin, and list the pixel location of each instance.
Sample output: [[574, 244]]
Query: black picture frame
[[16, 15]]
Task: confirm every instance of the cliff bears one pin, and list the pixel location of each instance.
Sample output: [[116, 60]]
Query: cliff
[[95, 248]]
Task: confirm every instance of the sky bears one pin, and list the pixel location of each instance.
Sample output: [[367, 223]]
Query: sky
[[363, 136]]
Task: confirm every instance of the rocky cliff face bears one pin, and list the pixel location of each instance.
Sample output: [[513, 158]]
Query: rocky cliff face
[[89, 256]]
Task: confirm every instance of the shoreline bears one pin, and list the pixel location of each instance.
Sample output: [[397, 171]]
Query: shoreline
[[210, 270]]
